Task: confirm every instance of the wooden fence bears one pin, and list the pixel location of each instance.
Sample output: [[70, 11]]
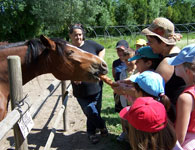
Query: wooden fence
[[21, 105]]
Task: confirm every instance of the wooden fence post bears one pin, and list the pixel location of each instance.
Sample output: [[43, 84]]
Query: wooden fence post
[[63, 86], [16, 94]]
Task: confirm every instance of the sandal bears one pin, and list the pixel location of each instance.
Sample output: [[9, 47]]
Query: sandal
[[93, 138], [104, 132]]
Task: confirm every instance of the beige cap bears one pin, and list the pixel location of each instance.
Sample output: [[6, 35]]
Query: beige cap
[[164, 29]]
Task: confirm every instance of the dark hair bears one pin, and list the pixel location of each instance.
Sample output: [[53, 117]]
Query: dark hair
[[77, 26], [155, 62], [128, 51], [157, 39], [161, 98]]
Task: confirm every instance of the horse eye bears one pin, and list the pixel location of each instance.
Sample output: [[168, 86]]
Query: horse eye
[[69, 52]]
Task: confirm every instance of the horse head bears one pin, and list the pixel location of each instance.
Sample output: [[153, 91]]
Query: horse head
[[68, 62]]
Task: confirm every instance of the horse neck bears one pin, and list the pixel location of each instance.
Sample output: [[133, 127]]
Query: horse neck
[[19, 51], [29, 71], [34, 69]]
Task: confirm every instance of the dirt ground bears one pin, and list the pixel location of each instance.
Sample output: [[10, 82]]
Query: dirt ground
[[73, 139]]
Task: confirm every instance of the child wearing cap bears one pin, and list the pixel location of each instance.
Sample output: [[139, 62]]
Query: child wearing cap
[[145, 60], [148, 124], [184, 64], [140, 43], [130, 69], [162, 39], [117, 67]]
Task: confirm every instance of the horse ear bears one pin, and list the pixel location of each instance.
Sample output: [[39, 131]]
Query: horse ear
[[48, 42]]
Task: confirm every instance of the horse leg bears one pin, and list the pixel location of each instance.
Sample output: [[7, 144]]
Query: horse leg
[[3, 106]]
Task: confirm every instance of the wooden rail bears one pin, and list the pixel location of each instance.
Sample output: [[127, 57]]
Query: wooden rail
[[21, 105], [59, 116], [13, 117]]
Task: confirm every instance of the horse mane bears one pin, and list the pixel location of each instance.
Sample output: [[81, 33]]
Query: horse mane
[[36, 47]]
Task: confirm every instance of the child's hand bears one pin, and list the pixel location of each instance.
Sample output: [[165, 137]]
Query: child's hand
[[77, 82], [122, 88]]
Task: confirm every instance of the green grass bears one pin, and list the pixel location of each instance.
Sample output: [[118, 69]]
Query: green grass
[[112, 118], [108, 113]]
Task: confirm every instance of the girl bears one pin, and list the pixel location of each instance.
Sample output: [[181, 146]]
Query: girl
[[149, 128], [184, 64]]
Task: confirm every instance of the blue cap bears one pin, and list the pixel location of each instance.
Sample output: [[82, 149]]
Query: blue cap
[[187, 54], [151, 82], [144, 52]]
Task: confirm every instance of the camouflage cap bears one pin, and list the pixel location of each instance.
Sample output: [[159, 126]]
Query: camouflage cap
[[164, 29]]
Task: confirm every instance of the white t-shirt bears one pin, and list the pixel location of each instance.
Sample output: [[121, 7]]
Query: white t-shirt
[[123, 75]]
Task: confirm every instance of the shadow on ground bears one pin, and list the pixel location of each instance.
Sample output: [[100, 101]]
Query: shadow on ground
[[76, 141]]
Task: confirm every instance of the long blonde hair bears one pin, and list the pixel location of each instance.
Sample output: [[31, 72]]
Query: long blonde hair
[[162, 140]]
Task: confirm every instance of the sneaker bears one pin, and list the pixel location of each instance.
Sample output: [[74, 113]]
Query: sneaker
[[104, 132], [122, 137], [97, 130], [93, 138]]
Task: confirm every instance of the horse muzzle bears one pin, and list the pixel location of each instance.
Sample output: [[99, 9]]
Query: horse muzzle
[[99, 70], [103, 68]]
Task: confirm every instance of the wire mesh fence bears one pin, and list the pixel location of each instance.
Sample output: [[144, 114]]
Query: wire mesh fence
[[112, 31], [134, 30]]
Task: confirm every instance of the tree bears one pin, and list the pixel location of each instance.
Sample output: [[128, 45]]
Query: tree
[[169, 12], [57, 15], [25, 19], [124, 13], [17, 21], [139, 10], [182, 12]]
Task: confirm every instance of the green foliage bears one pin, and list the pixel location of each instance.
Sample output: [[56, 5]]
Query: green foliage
[[124, 13], [156, 8], [52, 15], [139, 10], [182, 12], [17, 21], [169, 12], [25, 19], [57, 16]]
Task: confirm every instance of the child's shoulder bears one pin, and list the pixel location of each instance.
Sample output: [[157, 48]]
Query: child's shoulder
[[117, 62], [190, 90]]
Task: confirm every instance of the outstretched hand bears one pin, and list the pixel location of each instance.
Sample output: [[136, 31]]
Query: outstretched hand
[[77, 82], [125, 87]]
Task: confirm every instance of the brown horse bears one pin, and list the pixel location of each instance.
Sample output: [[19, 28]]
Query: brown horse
[[3, 43], [56, 56]]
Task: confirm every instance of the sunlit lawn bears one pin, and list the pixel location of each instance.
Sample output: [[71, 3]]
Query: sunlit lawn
[[108, 113], [112, 118]]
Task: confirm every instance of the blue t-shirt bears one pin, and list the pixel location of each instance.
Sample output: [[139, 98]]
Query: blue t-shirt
[[118, 65]]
